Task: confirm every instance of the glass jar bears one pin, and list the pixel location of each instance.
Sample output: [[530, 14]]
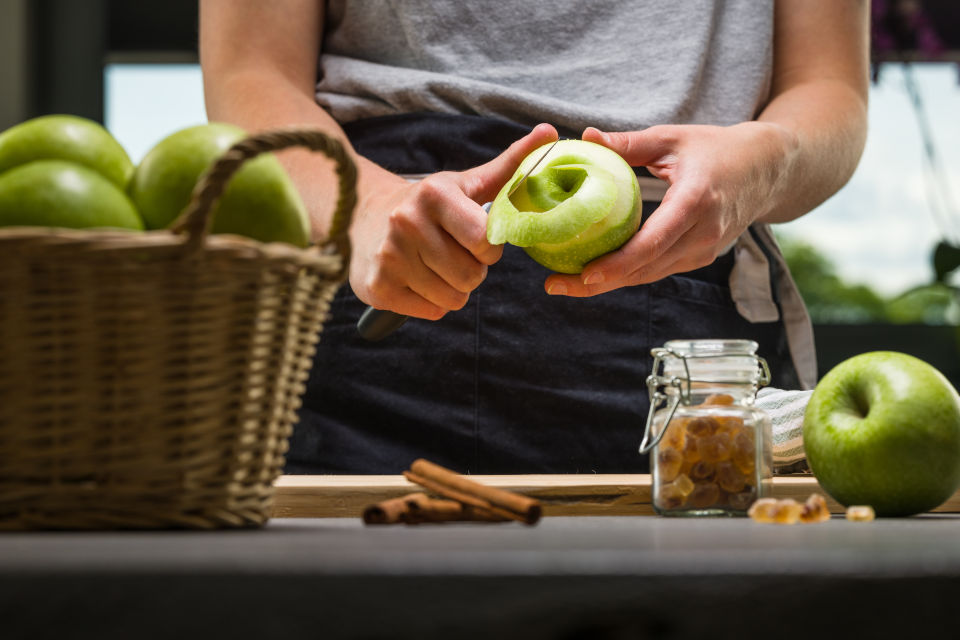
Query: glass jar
[[710, 448]]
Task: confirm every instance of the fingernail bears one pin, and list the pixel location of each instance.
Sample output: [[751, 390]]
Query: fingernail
[[594, 278], [557, 289]]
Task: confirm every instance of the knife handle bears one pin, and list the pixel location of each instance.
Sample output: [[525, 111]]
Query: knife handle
[[377, 324]]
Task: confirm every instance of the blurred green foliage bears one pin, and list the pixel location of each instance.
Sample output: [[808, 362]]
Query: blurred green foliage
[[830, 299]]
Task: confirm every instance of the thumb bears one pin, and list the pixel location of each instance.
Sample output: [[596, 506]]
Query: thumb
[[482, 183], [638, 148]]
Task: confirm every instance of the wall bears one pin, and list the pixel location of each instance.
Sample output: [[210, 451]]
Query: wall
[[15, 67]]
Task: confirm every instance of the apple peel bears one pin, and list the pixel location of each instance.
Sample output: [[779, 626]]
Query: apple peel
[[559, 220], [580, 204]]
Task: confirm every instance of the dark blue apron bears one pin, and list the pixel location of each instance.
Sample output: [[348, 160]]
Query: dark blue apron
[[517, 381]]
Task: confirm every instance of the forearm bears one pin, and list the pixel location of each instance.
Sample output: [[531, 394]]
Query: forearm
[[822, 127], [258, 100], [818, 104]]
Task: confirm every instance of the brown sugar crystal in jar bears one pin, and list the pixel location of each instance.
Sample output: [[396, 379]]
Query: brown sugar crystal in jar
[[710, 447]]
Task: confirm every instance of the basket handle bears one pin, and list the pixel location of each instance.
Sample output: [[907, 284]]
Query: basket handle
[[196, 219]]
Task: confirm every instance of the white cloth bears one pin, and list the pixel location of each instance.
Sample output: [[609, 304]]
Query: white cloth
[[786, 409]]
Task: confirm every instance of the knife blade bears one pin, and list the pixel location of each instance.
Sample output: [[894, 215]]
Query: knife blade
[[529, 171], [376, 324]]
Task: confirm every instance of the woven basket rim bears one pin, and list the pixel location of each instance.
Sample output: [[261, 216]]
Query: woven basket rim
[[102, 239]]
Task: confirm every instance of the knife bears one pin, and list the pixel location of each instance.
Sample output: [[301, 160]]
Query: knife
[[377, 324]]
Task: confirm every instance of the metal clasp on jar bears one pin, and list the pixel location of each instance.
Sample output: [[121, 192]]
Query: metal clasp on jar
[[683, 386]]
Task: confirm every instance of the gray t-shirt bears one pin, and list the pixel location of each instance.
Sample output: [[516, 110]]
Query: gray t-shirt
[[613, 64]]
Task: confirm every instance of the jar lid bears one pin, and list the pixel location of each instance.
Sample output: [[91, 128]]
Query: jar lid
[[730, 361], [707, 347]]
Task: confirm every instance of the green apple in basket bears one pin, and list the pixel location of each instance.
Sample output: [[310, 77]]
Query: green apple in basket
[[65, 137], [883, 429], [64, 171], [260, 202], [580, 202], [56, 193]]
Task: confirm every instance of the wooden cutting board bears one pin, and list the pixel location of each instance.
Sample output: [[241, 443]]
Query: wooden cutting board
[[561, 495]]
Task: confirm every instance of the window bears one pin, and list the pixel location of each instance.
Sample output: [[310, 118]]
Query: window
[[880, 230], [143, 103]]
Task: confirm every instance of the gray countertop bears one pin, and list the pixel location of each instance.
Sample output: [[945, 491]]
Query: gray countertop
[[570, 578]]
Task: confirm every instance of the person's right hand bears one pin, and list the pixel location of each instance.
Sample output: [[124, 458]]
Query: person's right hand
[[421, 248]]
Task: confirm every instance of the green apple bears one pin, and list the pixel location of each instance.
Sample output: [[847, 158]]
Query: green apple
[[56, 193], [883, 429], [581, 202], [260, 202], [66, 138]]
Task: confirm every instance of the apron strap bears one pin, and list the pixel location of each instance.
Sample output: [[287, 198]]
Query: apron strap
[[762, 288]]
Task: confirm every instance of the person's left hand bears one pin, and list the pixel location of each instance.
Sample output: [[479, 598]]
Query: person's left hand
[[721, 180]]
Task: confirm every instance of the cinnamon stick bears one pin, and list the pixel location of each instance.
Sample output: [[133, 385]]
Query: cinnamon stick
[[389, 511], [418, 508], [450, 484], [425, 509], [461, 497]]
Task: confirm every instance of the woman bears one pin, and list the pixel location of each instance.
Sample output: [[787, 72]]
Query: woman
[[737, 114]]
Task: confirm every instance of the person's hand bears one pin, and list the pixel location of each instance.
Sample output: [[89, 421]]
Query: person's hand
[[421, 248], [721, 180]]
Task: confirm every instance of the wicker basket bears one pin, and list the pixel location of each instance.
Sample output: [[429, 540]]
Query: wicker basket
[[151, 380]]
